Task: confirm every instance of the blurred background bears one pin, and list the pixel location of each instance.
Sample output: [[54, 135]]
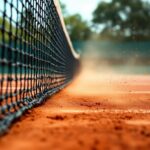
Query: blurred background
[[112, 35]]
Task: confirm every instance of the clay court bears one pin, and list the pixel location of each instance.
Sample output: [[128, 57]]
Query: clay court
[[102, 112], [101, 68]]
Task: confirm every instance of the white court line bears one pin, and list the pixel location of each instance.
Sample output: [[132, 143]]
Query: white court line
[[116, 111]]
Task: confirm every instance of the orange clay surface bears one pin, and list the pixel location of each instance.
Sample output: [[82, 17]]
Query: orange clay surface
[[96, 111]]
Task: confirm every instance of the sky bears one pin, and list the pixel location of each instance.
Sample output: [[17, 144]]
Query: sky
[[83, 7]]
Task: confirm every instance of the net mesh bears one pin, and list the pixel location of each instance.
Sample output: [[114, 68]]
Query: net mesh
[[35, 57]]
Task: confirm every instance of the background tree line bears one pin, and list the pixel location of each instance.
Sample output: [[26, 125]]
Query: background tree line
[[115, 20], [78, 29], [118, 19]]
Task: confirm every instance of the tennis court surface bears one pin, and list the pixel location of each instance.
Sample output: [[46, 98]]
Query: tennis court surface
[[102, 112]]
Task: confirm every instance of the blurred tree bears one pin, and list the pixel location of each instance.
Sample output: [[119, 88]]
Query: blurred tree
[[78, 29], [123, 19], [7, 29]]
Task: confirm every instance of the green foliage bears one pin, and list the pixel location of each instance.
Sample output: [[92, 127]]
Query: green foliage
[[77, 28], [124, 19], [26, 21], [7, 28]]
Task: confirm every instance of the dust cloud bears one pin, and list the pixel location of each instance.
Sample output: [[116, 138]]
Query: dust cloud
[[116, 58]]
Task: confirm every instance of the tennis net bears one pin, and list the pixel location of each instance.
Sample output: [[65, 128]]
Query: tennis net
[[36, 56]]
